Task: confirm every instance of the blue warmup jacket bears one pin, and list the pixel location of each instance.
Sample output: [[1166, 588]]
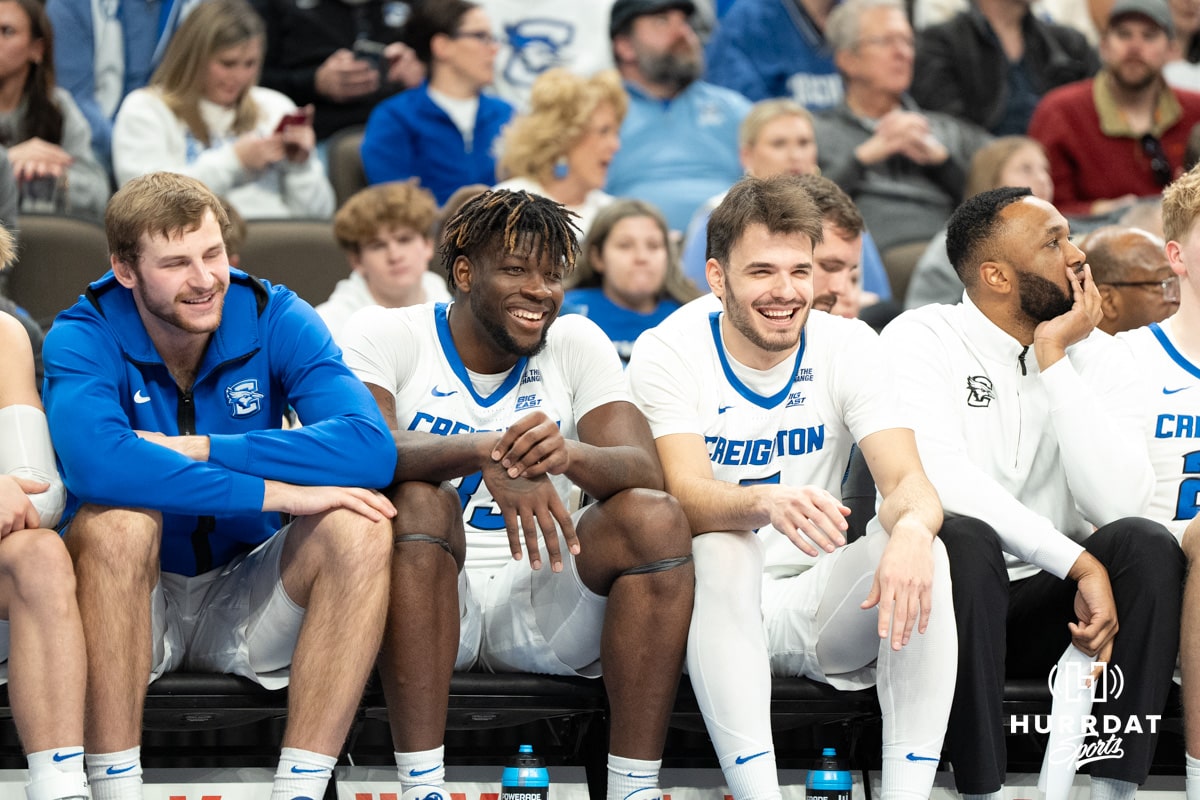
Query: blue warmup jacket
[[410, 135], [105, 380]]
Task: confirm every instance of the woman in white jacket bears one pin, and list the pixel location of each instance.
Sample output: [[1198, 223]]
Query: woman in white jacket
[[202, 115]]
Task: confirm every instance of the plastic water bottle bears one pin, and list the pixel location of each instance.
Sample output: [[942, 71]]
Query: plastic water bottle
[[829, 781], [526, 778]]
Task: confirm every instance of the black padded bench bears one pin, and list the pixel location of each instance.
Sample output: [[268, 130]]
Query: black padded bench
[[198, 720]]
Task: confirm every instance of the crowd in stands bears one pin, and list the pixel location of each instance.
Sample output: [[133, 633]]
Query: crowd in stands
[[595, 101], [650, 168]]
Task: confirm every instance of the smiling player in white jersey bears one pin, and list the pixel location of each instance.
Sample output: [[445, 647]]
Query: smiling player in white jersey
[[755, 403], [513, 405]]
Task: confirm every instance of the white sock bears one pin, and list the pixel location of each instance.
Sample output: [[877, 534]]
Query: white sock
[[629, 775], [751, 775], [424, 768], [115, 776], [903, 777], [1112, 789], [916, 687], [302, 774], [1193, 778], [56, 773], [728, 664]]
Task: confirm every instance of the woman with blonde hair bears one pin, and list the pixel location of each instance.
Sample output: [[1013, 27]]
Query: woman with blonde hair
[[628, 277], [203, 115], [1007, 161], [563, 146]]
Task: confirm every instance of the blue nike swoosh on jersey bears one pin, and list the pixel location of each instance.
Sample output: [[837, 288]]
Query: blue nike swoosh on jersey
[[115, 771], [65, 756], [1173, 391], [744, 759], [723, 409], [436, 393], [416, 772], [303, 771], [915, 757]]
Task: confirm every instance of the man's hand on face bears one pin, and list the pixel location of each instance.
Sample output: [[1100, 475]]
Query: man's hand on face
[[1052, 337]]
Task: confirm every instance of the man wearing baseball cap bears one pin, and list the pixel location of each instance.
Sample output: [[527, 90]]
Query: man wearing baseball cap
[[679, 140], [1121, 135]]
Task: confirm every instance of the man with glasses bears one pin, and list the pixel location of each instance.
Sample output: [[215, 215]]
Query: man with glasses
[[1133, 275], [444, 131], [1121, 135], [903, 167], [1027, 419]]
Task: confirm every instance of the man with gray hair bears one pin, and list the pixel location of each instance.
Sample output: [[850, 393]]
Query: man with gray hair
[[1134, 277], [903, 167]]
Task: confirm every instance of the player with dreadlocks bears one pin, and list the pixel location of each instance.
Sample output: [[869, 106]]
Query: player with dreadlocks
[[494, 395]]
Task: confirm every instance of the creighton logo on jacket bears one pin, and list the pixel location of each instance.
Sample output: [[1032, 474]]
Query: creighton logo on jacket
[[244, 398], [793, 424], [105, 380]]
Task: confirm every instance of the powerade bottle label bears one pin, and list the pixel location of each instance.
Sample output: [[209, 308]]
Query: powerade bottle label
[[829, 781], [525, 777]]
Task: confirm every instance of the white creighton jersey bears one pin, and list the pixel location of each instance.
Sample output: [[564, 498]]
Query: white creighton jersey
[[409, 352], [793, 424], [1170, 395]]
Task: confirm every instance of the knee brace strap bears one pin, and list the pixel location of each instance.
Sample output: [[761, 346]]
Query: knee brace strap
[[662, 565], [421, 537]]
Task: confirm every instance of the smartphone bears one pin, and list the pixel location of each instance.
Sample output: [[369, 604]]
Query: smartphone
[[297, 117], [370, 51], [44, 195]]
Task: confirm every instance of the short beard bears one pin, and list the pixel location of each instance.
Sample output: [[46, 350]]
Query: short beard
[[499, 334], [168, 314], [1042, 300], [745, 326], [1149, 80], [669, 69]]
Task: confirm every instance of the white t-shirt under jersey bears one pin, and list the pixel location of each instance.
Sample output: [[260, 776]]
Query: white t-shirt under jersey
[[792, 424], [410, 352]]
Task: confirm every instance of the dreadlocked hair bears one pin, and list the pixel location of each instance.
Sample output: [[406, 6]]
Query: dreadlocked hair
[[525, 219]]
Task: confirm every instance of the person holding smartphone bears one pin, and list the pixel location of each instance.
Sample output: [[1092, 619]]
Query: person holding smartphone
[[445, 131], [48, 140], [204, 115]]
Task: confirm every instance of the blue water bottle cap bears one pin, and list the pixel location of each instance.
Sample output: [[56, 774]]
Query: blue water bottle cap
[[829, 752], [526, 770]]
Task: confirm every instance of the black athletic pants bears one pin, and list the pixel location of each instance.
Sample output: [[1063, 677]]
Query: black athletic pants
[[1021, 630]]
